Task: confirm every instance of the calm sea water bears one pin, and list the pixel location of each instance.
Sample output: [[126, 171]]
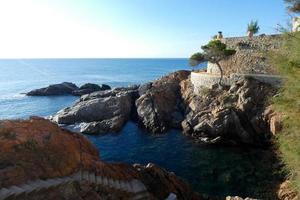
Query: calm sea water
[[212, 170]]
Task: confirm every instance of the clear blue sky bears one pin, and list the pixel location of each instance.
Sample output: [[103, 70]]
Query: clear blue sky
[[128, 28]]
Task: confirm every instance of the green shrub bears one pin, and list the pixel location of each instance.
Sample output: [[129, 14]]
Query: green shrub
[[287, 61]]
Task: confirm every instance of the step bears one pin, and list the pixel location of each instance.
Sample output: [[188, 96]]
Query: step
[[4, 192], [43, 184], [85, 175], [137, 186], [105, 181], [92, 177], [53, 182], [111, 183], [171, 196], [117, 184], [27, 188], [76, 176], [128, 186], [141, 195], [16, 190], [123, 185], [99, 180], [68, 179]]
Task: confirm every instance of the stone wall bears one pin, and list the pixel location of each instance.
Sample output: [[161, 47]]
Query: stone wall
[[200, 80], [251, 55], [206, 80]]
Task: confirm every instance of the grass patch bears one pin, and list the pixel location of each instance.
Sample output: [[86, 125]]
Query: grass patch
[[204, 91], [287, 61]]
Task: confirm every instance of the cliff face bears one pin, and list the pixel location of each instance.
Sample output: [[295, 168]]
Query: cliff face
[[232, 115], [251, 54]]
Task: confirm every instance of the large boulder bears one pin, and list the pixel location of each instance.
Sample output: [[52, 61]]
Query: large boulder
[[64, 88], [39, 149], [162, 183], [90, 88], [159, 106], [102, 111], [231, 115]]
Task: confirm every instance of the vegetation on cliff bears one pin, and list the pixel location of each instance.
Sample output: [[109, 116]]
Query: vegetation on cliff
[[287, 102], [214, 52]]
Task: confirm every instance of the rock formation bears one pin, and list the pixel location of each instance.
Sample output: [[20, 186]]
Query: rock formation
[[67, 88], [159, 106], [90, 88], [103, 111], [64, 88], [233, 115], [38, 149], [230, 115]]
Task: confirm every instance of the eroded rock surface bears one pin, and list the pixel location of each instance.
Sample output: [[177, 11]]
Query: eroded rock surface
[[67, 88], [64, 88], [36, 149], [103, 111], [90, 88], [233, 115], [159, 106], [155, 178]]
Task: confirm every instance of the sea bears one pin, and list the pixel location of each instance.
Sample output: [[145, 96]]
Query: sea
[[213, 170]]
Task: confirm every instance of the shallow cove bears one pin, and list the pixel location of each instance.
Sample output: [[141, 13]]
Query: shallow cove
[[211, 170]]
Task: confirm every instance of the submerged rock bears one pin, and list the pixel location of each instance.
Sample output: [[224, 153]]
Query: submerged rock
[[64, 88]]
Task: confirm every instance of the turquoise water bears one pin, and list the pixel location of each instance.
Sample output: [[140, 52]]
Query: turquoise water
[[210, 169]]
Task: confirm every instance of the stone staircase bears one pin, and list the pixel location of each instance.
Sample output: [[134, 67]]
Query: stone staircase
[[134, 186]]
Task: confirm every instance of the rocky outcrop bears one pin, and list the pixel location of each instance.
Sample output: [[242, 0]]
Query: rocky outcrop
[[231, 115], [90, 88], [159, 106], [64, 88], [287, 192], [156, 178], [104, 111], [37, 149], [67, 88], [274, 120]]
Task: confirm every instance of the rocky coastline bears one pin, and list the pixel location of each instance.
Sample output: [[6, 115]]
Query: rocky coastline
[[236, 115], [232, 115]]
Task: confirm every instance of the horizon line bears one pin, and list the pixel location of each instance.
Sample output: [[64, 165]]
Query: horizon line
[[94, 58]]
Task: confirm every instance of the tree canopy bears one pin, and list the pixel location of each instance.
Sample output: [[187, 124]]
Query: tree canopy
[[293, 5], [214, 52]]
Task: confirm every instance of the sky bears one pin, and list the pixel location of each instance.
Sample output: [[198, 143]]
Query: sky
[[126, 28]]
